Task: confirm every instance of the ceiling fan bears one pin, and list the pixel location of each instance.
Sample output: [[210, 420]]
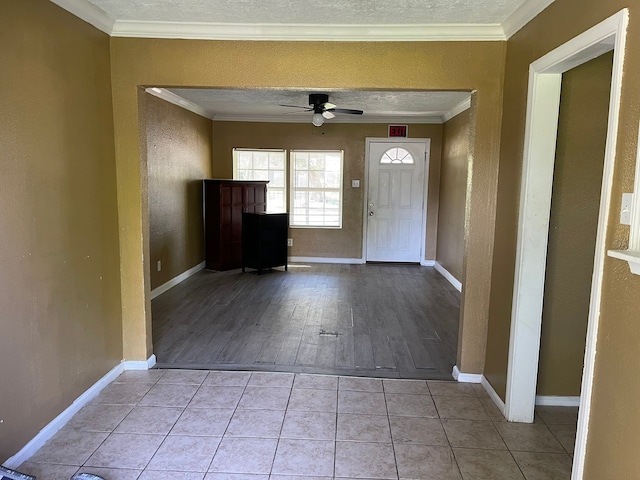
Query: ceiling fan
[[322, 109]]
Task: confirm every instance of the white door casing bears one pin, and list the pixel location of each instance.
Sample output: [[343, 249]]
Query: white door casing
[[395, 210], [545, 80]]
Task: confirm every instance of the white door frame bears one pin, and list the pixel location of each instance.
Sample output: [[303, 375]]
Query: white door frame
[[545, 79], [368, 141]]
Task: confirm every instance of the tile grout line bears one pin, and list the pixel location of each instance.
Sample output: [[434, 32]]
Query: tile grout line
[[286, 409], [509, 449], [446, 435], [475, 395], [165, 436], [335, 435], [84, 465], [556, 437], [222, 437], [393, 445]]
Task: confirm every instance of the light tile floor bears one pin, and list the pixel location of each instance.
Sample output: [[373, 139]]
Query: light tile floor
[[200, 425]]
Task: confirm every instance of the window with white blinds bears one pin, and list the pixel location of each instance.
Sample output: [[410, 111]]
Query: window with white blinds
[[316, 188], [264, 164]]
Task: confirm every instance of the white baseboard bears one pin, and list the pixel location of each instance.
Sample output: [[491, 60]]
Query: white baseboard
[[493, 395], [140, 364], [465, 377], [445, 273], [481, 379], [553, 401], [61, 420], [176, 280], [351, 261]]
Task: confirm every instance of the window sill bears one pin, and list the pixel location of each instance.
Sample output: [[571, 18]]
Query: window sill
[[317, 227], [632, 257]]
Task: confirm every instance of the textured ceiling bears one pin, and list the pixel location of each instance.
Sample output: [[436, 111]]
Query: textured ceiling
[[316, 12], [258, 104]]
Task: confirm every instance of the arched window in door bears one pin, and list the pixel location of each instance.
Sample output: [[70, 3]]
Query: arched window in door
[[397, 155]]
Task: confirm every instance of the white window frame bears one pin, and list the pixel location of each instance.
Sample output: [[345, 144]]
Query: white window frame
[[294, 189], [270, 186]]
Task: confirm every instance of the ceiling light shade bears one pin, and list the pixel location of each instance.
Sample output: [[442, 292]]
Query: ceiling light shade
[[317, 119]]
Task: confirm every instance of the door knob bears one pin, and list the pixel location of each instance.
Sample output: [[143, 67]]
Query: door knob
[[371, 214]]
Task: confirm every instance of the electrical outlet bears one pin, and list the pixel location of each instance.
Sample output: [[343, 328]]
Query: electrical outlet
[[159, 265], [289, 242], [355, 183], [625, 210]]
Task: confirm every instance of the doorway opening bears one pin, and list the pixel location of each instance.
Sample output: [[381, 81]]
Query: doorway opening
[[582, 130], [545, 80]]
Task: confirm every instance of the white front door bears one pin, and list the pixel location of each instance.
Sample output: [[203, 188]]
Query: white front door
[[395, 203]]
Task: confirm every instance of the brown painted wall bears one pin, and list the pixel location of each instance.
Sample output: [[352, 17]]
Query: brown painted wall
[[453, 193], [347, 241], [60, 317], [179, 153], [611, 451], [380, 65], [575, 204], [57, 172]]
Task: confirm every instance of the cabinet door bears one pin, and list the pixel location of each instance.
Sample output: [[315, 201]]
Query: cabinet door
[[212, 212], [256, 198], [231, 206]]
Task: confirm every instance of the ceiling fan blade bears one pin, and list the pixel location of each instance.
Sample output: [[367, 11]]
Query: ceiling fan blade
[[328, 115], [292, 112], [346, 110], [308, 109]]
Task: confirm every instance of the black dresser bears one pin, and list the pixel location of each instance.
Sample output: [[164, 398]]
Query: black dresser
[[264, 240]]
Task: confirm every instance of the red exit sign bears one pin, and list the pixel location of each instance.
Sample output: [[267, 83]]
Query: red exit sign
[[397, 130]]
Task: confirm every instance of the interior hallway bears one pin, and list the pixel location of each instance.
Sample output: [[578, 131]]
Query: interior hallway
[[378, 320], [221, 425]]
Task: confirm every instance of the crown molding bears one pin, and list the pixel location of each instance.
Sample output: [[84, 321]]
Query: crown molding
[[458, 109], [301, 32], [523, 15], [306, 32], [177, 100], [89, 13], [396, 119]]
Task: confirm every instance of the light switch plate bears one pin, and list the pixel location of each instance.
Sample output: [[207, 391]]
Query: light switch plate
[[625, 210]]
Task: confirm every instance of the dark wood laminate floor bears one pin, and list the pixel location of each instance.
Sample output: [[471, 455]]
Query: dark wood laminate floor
[[393, 321]]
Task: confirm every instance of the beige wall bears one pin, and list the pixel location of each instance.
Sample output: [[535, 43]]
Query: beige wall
[[582, 133], [60, 317], [179, 152], [613, 436], [396, 65], [347, 241], [453, 193]]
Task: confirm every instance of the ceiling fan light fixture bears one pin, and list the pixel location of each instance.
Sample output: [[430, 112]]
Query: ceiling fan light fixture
[[317, 119], [322, 109]]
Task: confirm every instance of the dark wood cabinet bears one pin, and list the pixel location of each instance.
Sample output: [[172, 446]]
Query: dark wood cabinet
[[224, 203], [264, 240]]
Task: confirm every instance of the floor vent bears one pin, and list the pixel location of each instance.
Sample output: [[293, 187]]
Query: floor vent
[[324, 333]]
